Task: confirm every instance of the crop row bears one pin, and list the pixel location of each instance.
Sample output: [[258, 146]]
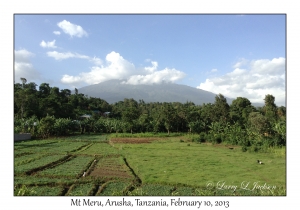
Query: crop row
[[84, 189], [153, 190], [102, 149], [89, 138], [37, 163], [20, 160], [54, 147], [114, 188], [72, 168]]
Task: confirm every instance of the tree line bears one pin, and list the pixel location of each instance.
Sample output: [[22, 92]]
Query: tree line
[[50, 111]]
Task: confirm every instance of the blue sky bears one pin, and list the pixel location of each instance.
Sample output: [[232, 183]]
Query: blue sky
[[236, 55]]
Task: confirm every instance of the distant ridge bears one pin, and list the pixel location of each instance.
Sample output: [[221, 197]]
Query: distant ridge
[[114, 91]]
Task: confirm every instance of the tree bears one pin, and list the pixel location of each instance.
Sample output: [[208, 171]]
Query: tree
[[258, 125], [46, 126], [168, 115], [240, 109], [270, 109], [23, 81], [130, 112], [25, 99], [221, 108]]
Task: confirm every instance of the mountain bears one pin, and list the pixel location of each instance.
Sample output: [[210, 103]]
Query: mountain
[[113, 91]]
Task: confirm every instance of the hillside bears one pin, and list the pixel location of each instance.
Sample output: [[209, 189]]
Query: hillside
[[113, 91]]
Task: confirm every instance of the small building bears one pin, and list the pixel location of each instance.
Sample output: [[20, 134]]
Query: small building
[[85, 116]]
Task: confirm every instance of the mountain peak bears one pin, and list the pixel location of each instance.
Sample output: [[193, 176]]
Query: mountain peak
[[116, 90]]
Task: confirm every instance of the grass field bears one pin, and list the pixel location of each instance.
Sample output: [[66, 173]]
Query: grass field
[[103, 165]]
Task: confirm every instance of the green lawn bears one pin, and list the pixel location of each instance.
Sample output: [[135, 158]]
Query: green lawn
[[174, 162]]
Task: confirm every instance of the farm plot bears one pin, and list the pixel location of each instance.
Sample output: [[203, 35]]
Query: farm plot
[[134, 140], [39, 191], [183, 191], [73, 168], [99, 149], [39, 181], [84, 189], [53, 147], [89, 138], [37, 163], [112, 167], [173, 162], [137, 166], [34, 146], [153, 190], [27, 158], [114, 188]]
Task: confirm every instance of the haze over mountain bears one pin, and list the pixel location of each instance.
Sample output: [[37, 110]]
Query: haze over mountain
[[115, 90]]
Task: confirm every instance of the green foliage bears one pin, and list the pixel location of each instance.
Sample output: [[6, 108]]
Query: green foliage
[[24, 191], [258, 125], [26, 125], [62, 126], [114, 188], [153, 190], [75, 167], [37, 163], [183, 191], [80, 189], [161, 166], [221, 108], [240, 110], [202, 137], [46, 126], [50, 111]]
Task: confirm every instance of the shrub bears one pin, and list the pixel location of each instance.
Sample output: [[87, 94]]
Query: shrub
[[46, 126], [202, 137], [218, 139], [62, 126], [244, 148]]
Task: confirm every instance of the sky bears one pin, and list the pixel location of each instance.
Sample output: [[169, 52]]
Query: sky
[[235, 55]]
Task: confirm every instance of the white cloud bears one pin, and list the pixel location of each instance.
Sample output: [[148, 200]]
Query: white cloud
[[66, 55], [118, 68], [72, 29], [23, 67], [56, 32], [166, 75], [96, 61], [152, 68], [257, 79], [48, 44], [214, 70], [61, 56], [241, 63]]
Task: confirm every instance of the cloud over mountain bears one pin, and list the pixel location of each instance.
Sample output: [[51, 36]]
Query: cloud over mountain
[[251, 79], [119, 68]]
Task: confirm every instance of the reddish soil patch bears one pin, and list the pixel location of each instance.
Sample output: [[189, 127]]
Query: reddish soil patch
[[135, 140]]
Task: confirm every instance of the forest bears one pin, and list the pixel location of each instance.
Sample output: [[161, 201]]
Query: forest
[[46, 111]]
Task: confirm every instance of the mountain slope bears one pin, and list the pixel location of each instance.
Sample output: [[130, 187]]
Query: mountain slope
[[113, 91]]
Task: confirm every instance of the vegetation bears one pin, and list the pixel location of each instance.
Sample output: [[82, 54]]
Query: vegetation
[[49, 111], [151, 148], [137, 166]]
